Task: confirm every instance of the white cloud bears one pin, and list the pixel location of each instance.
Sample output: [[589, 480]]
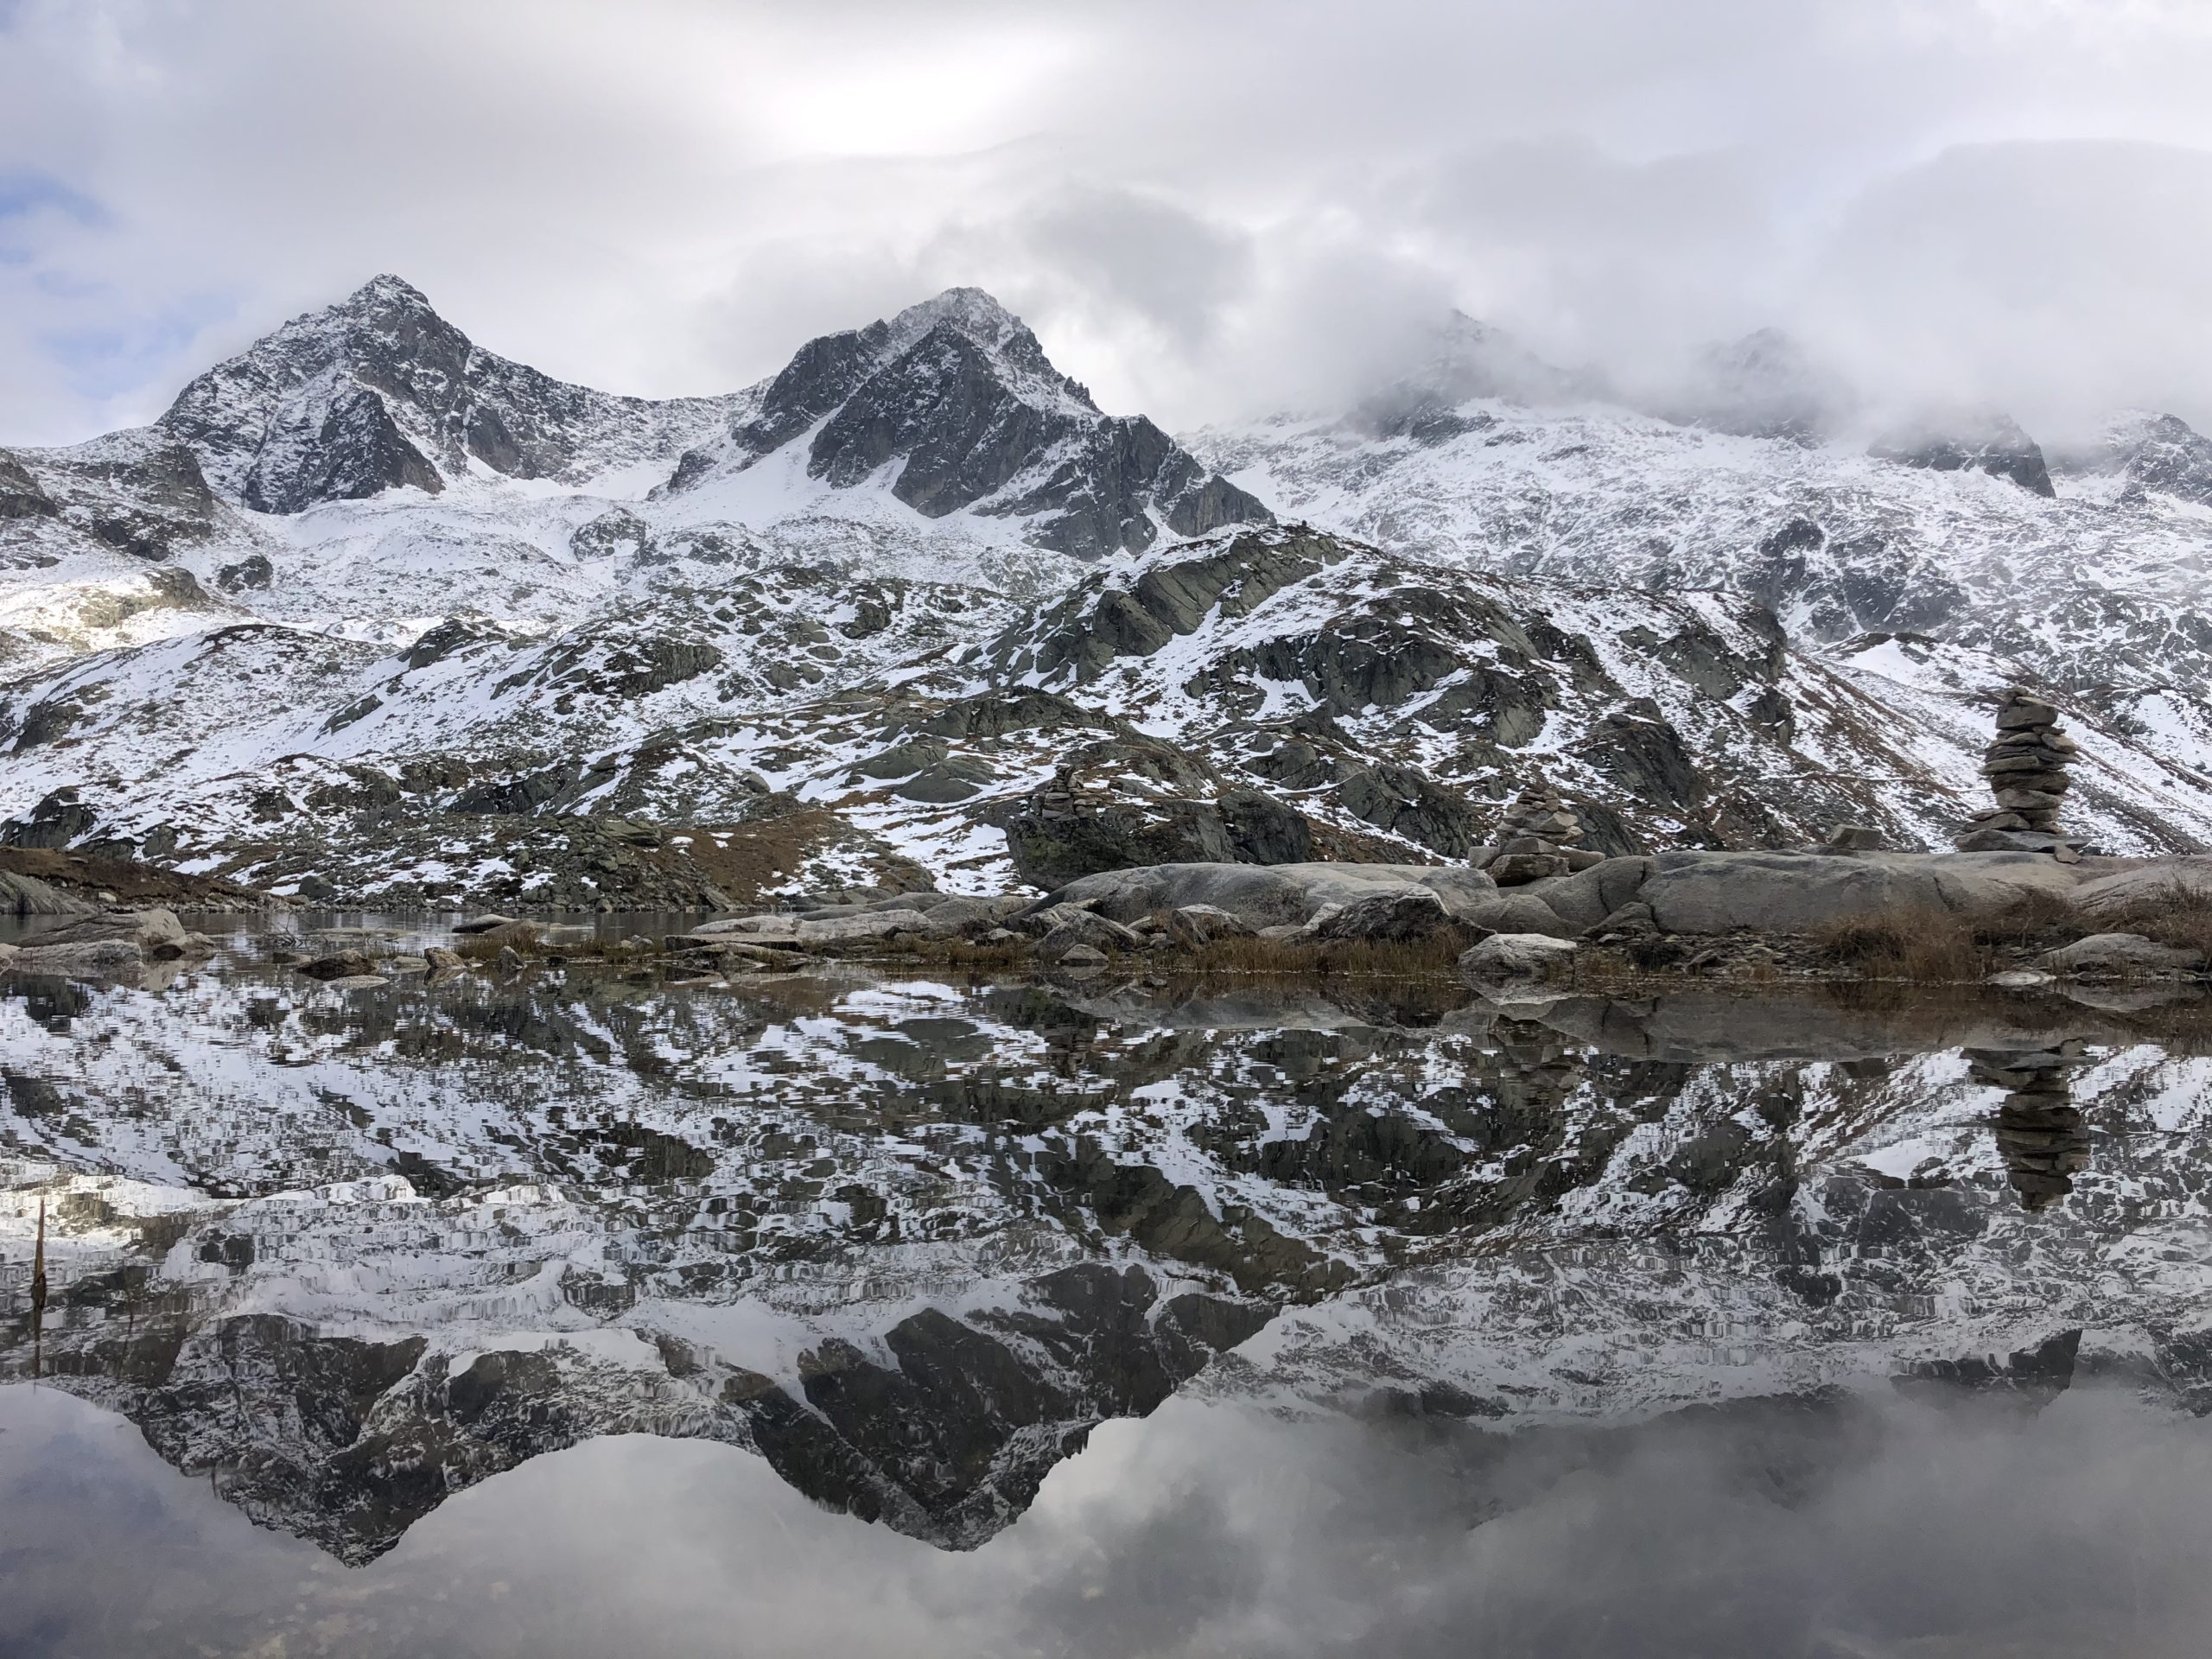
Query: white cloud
[[1200, 208]]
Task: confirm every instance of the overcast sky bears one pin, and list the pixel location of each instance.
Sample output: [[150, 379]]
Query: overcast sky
[[1204, 208]]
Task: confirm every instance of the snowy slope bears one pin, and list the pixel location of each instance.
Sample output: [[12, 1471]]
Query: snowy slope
[[259, 637]]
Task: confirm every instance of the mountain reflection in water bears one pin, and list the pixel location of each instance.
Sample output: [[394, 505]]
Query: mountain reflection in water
[[342, 1255]]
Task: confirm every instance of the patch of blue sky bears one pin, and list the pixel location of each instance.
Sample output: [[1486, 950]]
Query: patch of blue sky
[[29, 200], [103, 361]]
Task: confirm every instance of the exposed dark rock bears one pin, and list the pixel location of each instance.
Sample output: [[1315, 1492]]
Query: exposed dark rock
[[2165, 453], [1995, 445], [20, 495], [1402, 916], [1121, 802], [253, 571]]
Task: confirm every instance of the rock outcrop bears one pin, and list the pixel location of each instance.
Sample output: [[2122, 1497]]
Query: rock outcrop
[[1126, 801]]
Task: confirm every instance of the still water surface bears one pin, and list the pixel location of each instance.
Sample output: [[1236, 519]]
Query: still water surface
[[566, 1313]]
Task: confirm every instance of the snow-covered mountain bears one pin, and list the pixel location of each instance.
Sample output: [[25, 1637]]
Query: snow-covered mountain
[[373, 613]]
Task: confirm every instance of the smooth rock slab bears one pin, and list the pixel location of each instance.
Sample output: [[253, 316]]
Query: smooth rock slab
[[2120, 954], [1270, 896], [88, 959]]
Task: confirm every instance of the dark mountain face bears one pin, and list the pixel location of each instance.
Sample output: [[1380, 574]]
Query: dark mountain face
[[959, 394], [1993, 444], [380, 392], [2165, 453]]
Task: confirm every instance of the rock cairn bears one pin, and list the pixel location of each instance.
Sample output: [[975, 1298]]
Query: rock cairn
[[2041, 1134], [1536, 840], [2026, 769]]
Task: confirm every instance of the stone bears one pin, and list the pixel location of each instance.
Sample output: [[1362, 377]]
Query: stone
[[440, 960], [1089, 930], [156, 932], [1407, 914], [1853, 838], [25, 895], [340, 964], [1511, 869], [764, 927], [1270, 896], [2026, 712], [957, 915], [482, 924], [2018, 979], [2120, 955], [1630, 921], [110, 958], [1194, 926], [1517, 955], [1782, 892], [357, 981], [1581, 858], [1081, 955], [866, 925]]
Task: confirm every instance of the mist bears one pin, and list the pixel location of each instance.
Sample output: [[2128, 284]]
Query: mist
[[1206, 212]]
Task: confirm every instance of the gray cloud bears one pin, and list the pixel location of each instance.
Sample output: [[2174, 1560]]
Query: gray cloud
[[1884, 1528], [1203, 210]]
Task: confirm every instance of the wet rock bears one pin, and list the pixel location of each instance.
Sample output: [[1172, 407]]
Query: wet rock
[[438, 959], [482, 924], [156, 932], [1517, 955], [97, 959], [340, 964], [2119, 956]]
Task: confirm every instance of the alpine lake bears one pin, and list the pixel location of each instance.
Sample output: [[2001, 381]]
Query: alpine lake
[[576, 1310]]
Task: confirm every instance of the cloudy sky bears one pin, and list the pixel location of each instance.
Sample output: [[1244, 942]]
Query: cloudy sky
[[1200, 1531], [1204, 209]]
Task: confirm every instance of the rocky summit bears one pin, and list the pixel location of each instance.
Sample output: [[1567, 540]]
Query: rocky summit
[[373, 615]]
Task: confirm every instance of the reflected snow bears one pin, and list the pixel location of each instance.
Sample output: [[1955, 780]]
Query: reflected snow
[[909, 1246]]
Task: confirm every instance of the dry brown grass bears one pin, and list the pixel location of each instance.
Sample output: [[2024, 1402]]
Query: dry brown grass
[[522, 938], [2037, 921], [2176, 914], [1926, 943], [1440, 953]]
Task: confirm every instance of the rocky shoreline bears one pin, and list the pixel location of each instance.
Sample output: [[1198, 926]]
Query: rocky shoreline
[[2015, 919]]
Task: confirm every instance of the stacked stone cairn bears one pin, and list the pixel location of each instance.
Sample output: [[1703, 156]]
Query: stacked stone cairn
[[2026, 769], [2041, 1134], [1535, 840]]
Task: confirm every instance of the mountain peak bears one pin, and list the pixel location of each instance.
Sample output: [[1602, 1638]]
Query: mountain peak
[[384, 291], [973, 312]]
